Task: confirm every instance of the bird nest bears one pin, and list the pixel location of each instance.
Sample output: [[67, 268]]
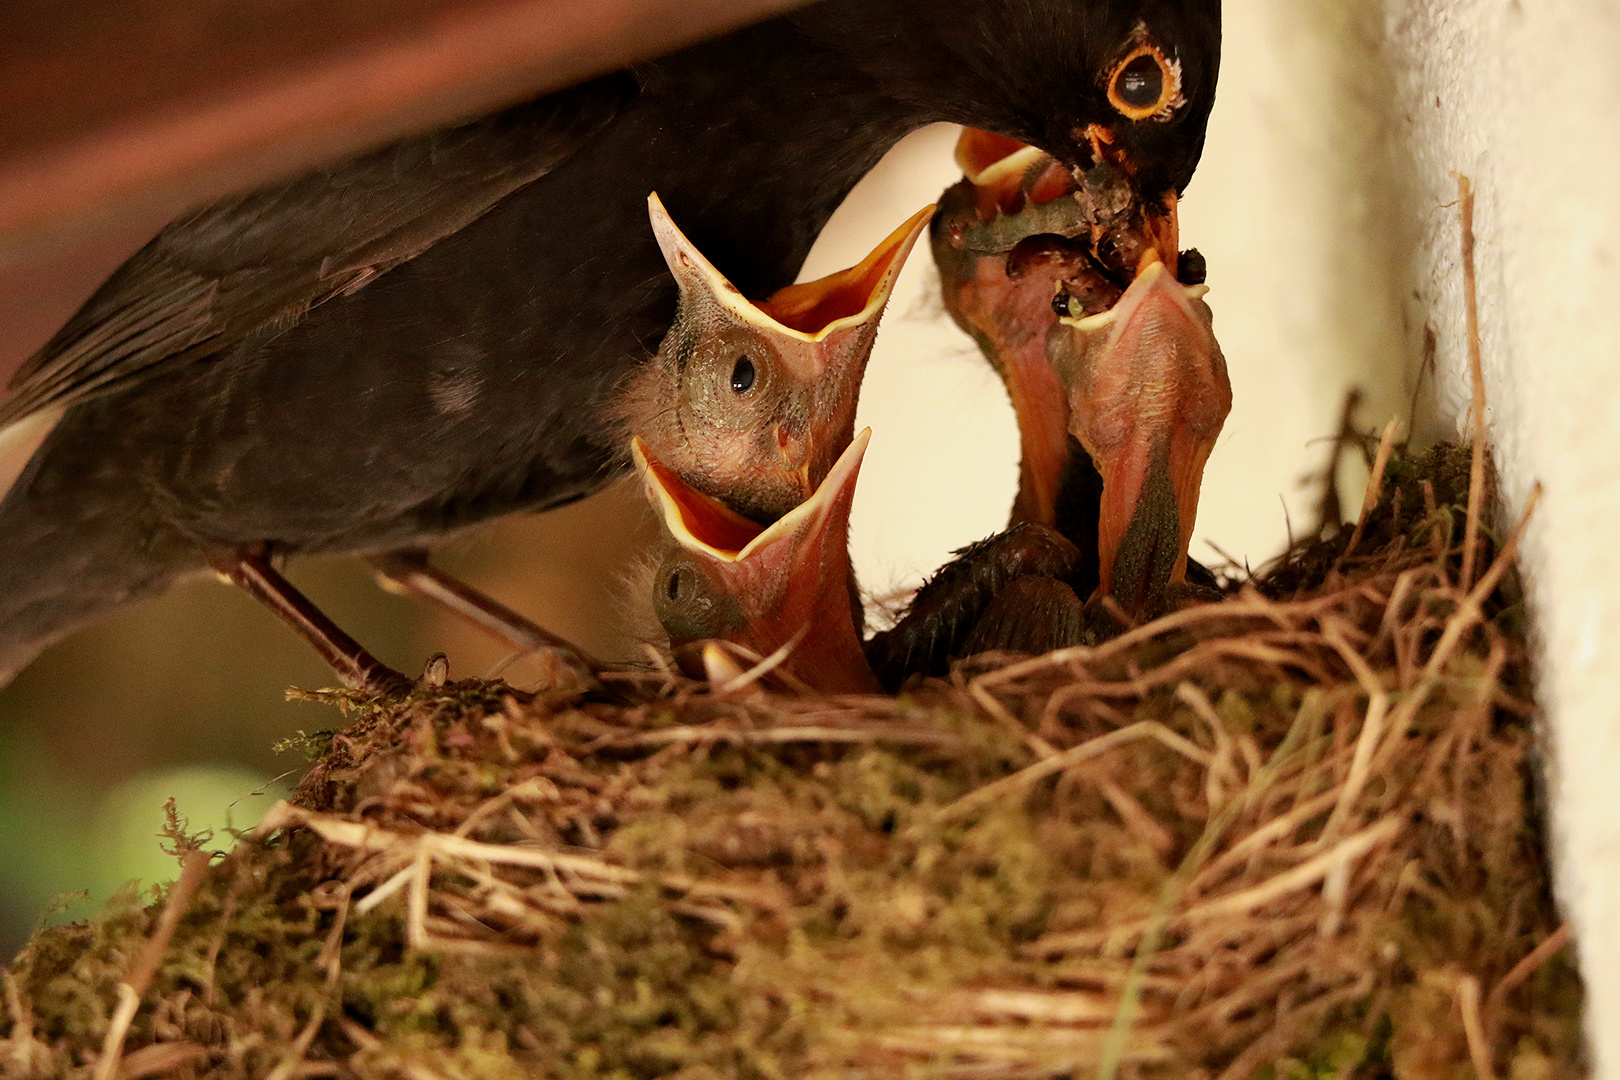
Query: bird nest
[[1291, 834]]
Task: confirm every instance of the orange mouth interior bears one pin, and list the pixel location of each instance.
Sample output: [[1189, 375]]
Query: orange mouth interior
[[977, 152], [707, 519], [815, 305]]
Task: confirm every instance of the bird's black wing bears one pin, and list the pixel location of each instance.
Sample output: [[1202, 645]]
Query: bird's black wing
[[255, 264]]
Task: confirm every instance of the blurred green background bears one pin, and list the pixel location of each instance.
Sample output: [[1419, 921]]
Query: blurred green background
[[185, 696]]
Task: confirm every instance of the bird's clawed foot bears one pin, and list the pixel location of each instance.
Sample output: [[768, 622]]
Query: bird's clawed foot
[[436, 672], [406, 572]]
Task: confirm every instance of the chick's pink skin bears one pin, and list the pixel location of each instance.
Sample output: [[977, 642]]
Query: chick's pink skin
[[1009, 320], [763, 588], [999, 240], [1148, 394], [1134, 374], [752, 402]]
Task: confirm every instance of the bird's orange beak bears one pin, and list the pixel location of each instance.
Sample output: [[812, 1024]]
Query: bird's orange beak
[[1126, 241], [1148, 393], [790, 580], [1162, 225], [828, 329]]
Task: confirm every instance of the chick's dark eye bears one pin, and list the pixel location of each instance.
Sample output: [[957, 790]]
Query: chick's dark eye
[[1061, 304], [742, 376], [673, 589], [1143, 84]]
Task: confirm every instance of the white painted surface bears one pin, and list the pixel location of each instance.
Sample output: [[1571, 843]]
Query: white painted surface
[[1524, 96]]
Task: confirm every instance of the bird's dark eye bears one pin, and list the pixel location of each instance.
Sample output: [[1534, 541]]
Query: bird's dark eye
[[742, 376], [1062, 303], [673, 589], [1144, 83], [1140, 83]]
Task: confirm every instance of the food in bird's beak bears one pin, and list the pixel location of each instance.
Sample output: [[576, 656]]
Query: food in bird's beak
[[1147, 394], [783, 587], [1020, 241], [752, 402], [1019, 191]]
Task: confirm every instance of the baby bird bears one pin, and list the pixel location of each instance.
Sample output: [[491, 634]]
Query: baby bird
[[1003, 243], [1033, 258], [742, 428], [785, 586], [1148, 394], [975, 603], [752, 402]]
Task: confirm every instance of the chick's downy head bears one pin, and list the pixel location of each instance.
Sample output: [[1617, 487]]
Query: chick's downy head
[[752, 402]]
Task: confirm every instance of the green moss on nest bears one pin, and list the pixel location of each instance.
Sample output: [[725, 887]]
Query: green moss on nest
[[1293, 835]]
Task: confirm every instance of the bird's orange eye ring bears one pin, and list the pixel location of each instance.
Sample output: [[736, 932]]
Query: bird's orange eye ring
[[1144, 84]]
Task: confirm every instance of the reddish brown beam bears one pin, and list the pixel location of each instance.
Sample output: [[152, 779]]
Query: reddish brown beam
[[112, 109]]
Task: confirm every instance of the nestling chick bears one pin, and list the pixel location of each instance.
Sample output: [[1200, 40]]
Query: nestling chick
[[1086, 320], [1023, 244], [741, 427], [1148, 393], [1145, 395], [752, 402], [787, 585], [960, 610], [1020, 241], [1001, 243]]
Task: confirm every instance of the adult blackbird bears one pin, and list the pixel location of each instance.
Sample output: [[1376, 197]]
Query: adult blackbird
[[371, 356]]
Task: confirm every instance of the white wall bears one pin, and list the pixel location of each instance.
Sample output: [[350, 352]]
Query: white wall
[[1524, 96]]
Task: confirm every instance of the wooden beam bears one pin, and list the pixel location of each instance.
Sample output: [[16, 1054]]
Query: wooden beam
[[120, 110]]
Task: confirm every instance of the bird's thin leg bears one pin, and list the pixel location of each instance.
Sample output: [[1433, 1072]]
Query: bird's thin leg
[[357, 668], [408, 573]]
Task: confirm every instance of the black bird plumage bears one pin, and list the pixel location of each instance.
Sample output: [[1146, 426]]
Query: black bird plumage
[[432, 334], [940, 624]]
